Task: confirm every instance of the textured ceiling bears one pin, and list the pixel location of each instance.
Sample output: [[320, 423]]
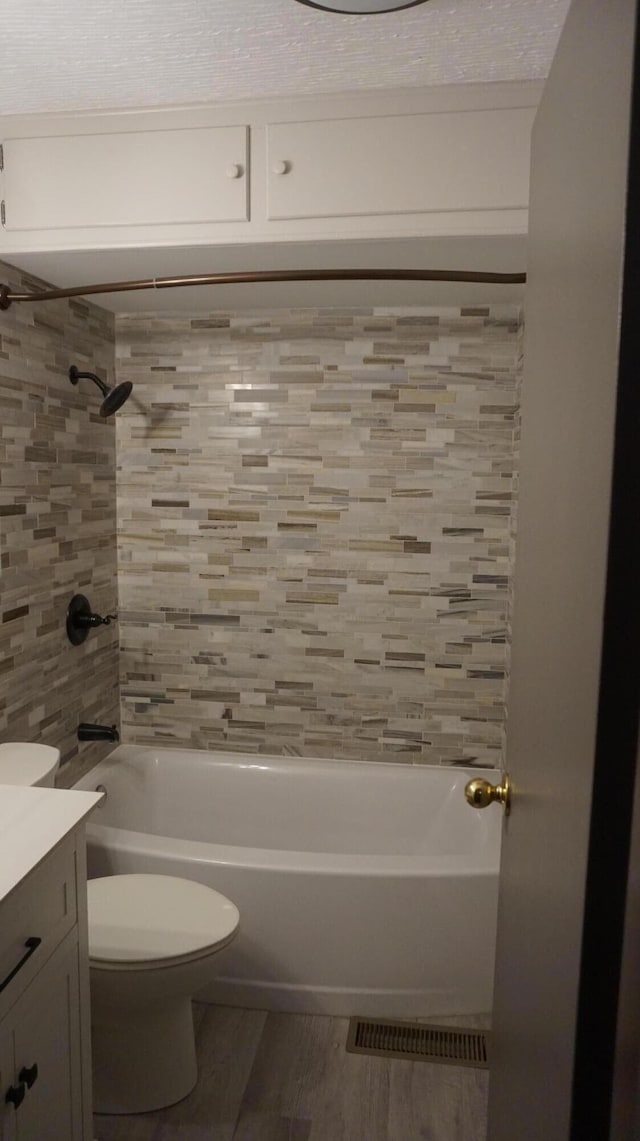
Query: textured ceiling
[[58, 55]]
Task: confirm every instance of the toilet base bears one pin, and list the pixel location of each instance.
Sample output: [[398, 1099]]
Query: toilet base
[[143, 1059]]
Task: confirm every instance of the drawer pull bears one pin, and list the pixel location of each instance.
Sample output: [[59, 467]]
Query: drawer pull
[[32, 943], [29, 1075], [15, 1095]]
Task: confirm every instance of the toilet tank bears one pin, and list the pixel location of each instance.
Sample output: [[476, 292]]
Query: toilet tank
[[27, 764]]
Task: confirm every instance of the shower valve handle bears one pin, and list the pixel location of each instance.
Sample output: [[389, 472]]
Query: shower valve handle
[[81, 619], [95, 620]]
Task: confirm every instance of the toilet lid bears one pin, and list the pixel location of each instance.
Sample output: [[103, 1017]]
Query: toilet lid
[[140, 918]]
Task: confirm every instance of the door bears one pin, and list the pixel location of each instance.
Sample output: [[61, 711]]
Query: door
[[126, 178], [443, 161], [573, 701]]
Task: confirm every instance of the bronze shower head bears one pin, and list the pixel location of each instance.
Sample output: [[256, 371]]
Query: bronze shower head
[[113, 398]]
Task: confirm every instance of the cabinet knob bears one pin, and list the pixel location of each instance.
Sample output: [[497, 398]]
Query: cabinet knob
[[15, 1095], [28, 1075], [234, 170], [281, 167]]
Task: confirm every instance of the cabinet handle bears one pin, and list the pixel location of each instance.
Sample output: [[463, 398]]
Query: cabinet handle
[[32, 943], [234, 171], [15, 1095], [29, 1075], [281, 168]]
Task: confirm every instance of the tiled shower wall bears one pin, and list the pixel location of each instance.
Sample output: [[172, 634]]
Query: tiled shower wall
[[315, 531], [57, 524]]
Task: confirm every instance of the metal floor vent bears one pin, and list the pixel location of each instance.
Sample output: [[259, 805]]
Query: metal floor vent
[[419, 1042]]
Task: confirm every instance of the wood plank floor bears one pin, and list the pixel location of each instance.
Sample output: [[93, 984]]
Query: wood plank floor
[[287, 1077]]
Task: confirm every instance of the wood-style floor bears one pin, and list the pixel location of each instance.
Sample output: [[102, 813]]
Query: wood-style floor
[[287, 1077]]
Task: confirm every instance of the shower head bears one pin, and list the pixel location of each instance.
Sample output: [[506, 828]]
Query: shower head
[[113, 398]]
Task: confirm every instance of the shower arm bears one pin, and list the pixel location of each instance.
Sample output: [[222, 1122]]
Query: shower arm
[[8, 296], [75, 376]]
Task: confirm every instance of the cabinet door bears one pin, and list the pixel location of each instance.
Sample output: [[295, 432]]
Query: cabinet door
[[46, 1029], [126, 178], [7, 1112], [399, 164]]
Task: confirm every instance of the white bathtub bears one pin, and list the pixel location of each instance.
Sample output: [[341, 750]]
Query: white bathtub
[[363, 888]]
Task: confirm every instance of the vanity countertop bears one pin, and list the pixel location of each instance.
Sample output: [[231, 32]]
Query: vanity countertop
[[32, 821]]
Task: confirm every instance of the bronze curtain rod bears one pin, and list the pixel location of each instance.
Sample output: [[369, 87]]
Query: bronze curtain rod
[[7, 296]]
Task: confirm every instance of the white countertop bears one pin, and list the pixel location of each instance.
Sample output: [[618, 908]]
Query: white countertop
[[32, 822]]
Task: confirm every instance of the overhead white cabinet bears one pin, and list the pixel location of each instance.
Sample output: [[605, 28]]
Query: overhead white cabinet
[[431, 163], [399, 164], [126, 178]]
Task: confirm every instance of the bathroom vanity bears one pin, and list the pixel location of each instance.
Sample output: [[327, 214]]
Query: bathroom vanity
[[45, 1057]]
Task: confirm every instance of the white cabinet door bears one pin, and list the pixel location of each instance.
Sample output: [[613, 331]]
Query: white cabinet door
[[399, 164], [46, 1034], [7, 1111], [126, 178]]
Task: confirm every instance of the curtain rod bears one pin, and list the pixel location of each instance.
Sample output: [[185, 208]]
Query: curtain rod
[[7, 296]]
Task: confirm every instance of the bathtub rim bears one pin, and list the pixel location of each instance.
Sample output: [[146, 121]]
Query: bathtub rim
[[483, 861], [284, 860], [235, 759]]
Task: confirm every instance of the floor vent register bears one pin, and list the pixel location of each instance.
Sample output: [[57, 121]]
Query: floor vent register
[[419, 1042]]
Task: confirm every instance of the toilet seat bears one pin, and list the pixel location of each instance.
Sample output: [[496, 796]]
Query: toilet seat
[[149, 921]]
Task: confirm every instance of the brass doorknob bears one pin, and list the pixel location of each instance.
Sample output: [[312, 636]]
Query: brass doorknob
[[480, 793]]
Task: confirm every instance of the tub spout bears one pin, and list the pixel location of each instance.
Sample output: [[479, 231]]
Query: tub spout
[[89, 732]]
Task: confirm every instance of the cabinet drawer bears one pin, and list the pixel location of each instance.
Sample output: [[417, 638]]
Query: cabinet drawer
[[43, 907], [128, 178], [399, 164]]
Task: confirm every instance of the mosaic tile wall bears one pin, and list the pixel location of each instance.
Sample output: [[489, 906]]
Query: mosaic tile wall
[[57, 525], [315, 531]]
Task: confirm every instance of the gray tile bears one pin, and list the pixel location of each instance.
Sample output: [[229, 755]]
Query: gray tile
[[349, 482], [282, 1077], [264, 1126], [227, 1040], [57, 525]]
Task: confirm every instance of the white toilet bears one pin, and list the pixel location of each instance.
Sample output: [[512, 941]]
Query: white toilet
[[153, 942]]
